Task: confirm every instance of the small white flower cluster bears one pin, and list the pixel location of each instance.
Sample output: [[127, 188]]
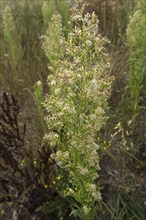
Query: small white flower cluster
[[61, 157], [86, 209], [94, 192], [76, 107]]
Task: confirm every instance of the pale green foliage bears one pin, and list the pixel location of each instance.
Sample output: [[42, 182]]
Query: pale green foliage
[[63, 9], [76, 108], [48, 9], [137, 41], [52, 44], [56, 15], [11, 38], [135, 31], [38, 94]]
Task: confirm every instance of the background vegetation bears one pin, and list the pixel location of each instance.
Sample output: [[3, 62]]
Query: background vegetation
[[29, 47]]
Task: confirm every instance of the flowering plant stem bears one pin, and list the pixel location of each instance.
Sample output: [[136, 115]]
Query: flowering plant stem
[[76, 110]]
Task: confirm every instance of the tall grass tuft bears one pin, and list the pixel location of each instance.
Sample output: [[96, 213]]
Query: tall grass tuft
[[52, 43], [48, 9], [12, 43], [63, 9], [38, 94], [136, 35]]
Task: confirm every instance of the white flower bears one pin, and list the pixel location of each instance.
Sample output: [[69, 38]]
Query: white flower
[[92, 187], [92, 87], [59, 104], [76, 17], [59, 154], [73, 111], [42, 37], [86, 209], [52, 143], [97, 195], [79, 76], [65, 108], [57, 91], [52, 156], [93, 117], [50, 77], [66, 155], [89, 43], [96, 146], [39, 83], [83, 170], [100, 111], [53, 83]]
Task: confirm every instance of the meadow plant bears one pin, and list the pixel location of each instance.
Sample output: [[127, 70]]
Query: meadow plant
[[48, 9], [114, 17], [63, 9], [38, 94], [11, 41], [136, 35], [77, 104], [52, 44]]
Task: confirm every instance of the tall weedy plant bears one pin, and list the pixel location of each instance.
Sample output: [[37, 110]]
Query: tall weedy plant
[[39, 98], [76, 106], [137, 41], [63, 9], [58, 13], [52, 43], [11, 40], [48, 9]]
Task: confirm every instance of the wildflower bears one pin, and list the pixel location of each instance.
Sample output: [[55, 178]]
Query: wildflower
[[53, 83], [57, 91], [39, 83], [97, 195], [50, 77], [77, 104], [92, 87], [46, 186], [34, 162], [70, 192], [89, 43], [86, 209], [22, 162], [42, 37], [82, 170], [96, 146], [93, 117]]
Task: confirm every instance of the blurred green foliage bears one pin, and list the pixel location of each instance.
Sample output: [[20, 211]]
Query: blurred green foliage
[[136, 35]]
